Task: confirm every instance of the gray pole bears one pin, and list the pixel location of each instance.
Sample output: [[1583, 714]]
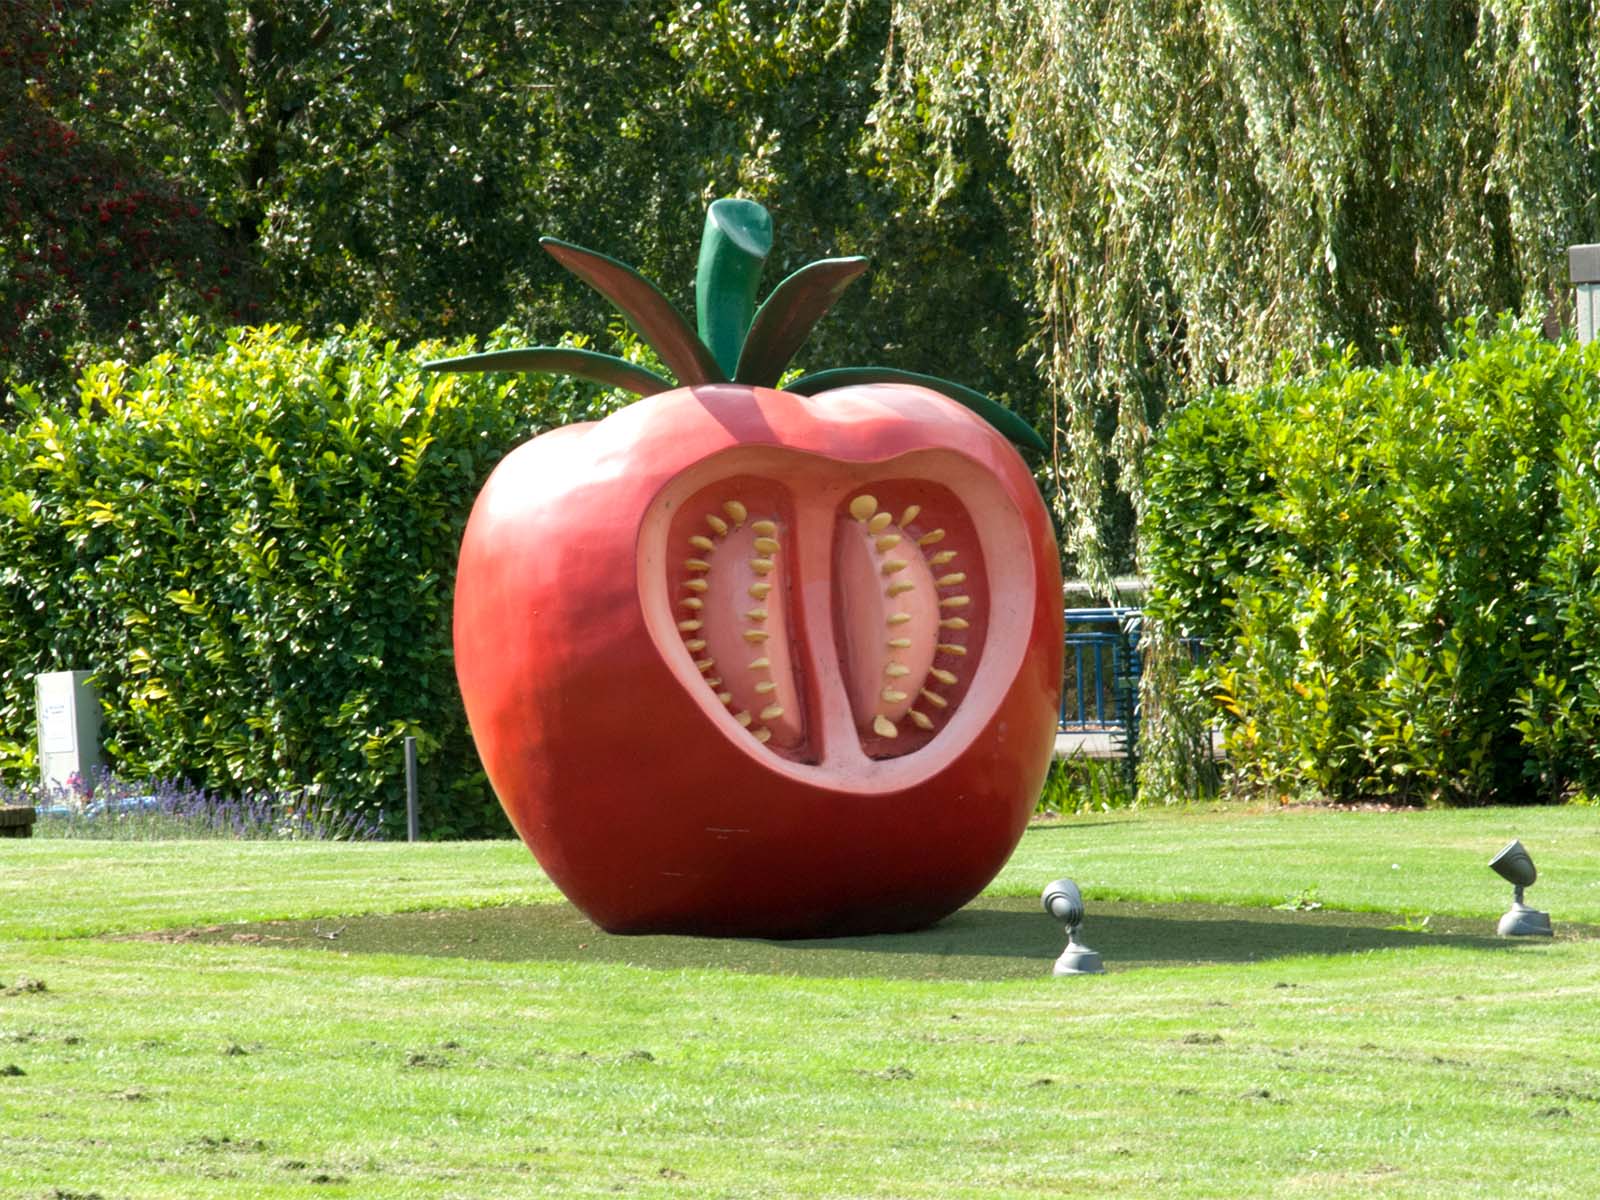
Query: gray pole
[[411, 789], [1583, 265]]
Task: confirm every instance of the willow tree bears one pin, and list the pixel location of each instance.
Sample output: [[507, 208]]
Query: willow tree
[[1218, 183]]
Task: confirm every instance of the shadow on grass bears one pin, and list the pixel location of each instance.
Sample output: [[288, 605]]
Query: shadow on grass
[[993, 938]]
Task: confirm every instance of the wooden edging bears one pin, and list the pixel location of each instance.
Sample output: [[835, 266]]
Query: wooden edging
[[16, 820]]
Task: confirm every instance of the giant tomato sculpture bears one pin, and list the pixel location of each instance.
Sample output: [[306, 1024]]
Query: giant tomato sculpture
[[744, 661]]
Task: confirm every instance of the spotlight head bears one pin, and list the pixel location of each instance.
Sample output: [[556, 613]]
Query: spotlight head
[[1514, 865], [1064, 902]]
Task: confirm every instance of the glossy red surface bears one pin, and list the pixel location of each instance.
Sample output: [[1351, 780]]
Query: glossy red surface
[[641, 598]]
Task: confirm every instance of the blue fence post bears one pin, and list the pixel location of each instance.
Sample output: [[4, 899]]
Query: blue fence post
[[1127, 684], [1092, 636]]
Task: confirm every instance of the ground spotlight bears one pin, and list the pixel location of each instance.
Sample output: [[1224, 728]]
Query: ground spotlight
[[1515, 866], [1064, 902]]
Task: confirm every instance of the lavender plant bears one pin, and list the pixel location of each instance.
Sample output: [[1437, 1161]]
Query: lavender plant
[[109, 807]]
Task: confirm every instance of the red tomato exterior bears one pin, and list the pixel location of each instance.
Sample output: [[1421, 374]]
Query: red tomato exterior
[[639, 795]]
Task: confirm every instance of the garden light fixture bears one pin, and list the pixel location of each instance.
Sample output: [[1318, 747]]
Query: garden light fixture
[[1064, 902], [1514, 865]]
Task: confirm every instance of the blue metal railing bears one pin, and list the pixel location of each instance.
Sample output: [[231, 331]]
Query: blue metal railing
[[1100, 691]]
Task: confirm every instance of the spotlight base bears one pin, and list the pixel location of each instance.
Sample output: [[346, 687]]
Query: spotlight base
[[1078, 959], [1522, 921]]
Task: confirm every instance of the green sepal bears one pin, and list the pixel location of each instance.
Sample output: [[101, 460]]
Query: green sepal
[[646, 309], [787, 317], [735, 244], [560, 360], [1007, 422]]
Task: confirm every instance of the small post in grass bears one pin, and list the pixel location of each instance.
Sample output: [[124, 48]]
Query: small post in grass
[[411, 789]]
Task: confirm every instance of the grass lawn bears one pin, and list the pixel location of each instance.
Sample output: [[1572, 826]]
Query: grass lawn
[[486, 1042]]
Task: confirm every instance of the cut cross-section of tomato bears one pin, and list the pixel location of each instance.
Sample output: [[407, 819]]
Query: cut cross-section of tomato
[[902, 616], [872, 658]]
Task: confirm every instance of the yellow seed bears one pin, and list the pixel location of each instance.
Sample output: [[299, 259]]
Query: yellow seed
[[705, 664], [909, 515], [930, 538], [697, 564], [919, 719], [725, 697], [714, 681], [767, 545], [761, 664], [772, 712], [892, 695], [935, 699], [697, 585], [896, 670], [718, 525], [952, 648], [759, 590], [899, 618], [863, 507], [765, 528], [953, 623], [899, 643], [757, 614], [883, 727], [952, 579], [900, 586], [765, 686], [892, 565], [743, 718], [955, 602], [695, 644], [887, 542], [692, 602], [700, 542], [761, 566], [756, 635], [763, 736], [689, 626], [736, 511], [944, 677], [880, 522], [939, 559]]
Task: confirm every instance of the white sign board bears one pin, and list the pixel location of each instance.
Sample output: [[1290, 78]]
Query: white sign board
[[69, 727], [1583, 268]]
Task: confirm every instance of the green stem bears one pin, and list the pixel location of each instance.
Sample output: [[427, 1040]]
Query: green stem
[[735, 244]]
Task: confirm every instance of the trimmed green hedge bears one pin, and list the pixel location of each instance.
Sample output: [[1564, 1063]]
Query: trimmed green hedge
[[253, 546], [1394, 571]]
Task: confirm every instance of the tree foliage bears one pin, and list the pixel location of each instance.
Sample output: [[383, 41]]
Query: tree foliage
[[1216, 183], [394, 162], [93, 240]]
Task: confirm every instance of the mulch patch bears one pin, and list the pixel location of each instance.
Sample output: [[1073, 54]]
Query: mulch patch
[[992, 938]]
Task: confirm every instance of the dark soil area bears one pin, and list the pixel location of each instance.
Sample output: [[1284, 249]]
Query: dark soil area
[[992, 938]]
